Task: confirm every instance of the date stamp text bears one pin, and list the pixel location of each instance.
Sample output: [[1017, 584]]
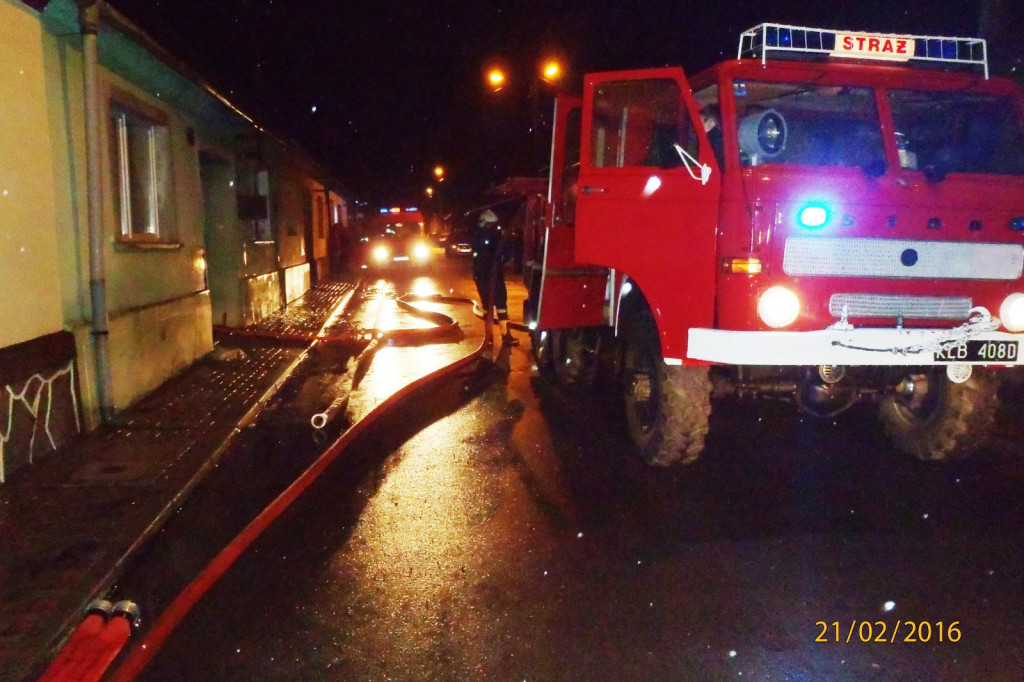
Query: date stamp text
[[882, 632]]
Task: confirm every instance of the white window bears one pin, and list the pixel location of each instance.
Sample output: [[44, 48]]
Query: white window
[[142, 173]]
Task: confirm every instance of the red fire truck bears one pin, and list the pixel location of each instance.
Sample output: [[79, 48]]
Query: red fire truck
[[831, 217]]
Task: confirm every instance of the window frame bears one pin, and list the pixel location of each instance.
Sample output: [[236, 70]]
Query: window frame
[[141, 152], [617, 142]]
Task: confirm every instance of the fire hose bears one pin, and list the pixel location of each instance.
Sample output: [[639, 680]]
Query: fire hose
[[164, 626], [443, 325], [98, 640]]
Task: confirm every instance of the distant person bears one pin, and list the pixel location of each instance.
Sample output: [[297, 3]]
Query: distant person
[[491, 250], [711, 118], [338, 250]]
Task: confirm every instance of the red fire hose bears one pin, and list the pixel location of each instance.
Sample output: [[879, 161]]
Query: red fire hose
[[95, 644], [140, 656], [106, 628]]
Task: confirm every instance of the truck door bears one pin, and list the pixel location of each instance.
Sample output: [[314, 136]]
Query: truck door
[[648, 195], [571, 294]]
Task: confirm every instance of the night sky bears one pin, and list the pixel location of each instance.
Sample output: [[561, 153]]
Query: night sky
[[399, 88]]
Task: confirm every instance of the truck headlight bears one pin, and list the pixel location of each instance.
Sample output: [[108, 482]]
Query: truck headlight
[[381, 254], [778, 307], [420, 252], [1011, 312]]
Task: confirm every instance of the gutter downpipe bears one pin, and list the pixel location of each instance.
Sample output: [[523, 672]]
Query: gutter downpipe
[[89, 20]]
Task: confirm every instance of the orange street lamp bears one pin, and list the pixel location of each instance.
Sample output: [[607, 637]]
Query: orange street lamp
[[439, 171], [496, 79], [551, 71], [430, 191]]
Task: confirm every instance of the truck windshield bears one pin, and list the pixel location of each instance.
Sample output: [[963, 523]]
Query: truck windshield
[[824, 125], [403, 230], [959, 132]]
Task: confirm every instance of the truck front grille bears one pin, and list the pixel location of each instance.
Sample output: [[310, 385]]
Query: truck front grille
[[907, 307], [905, 258]]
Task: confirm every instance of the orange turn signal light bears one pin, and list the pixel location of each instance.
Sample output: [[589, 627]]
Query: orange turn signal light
[[747, 265]]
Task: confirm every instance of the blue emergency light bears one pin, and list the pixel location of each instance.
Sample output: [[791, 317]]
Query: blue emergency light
[[812, 215]]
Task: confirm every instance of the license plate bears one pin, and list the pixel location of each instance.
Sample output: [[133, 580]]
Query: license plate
[[980, 351]]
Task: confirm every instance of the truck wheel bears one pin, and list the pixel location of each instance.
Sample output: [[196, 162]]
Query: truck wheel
[[946, 420], [667, 407], [574, 354], [540, 346]]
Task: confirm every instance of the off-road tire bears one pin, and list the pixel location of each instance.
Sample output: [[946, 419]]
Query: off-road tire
[[955, 421], [671, 425]]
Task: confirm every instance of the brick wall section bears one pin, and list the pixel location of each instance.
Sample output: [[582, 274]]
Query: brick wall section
[[39, 407]]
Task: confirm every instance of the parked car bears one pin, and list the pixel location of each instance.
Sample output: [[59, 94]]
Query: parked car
[[457, 243]]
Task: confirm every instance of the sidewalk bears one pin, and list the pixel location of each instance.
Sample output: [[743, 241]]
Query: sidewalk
[[69, 521]]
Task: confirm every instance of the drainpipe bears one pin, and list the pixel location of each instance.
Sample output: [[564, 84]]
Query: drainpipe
[[89, 19]]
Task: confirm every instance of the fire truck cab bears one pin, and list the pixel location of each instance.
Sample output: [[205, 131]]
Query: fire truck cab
[[829, 218]]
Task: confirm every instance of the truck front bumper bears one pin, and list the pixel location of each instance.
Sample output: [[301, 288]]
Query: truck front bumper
[[864, 346]]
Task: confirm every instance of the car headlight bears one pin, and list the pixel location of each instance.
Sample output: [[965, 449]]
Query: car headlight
[[778, 307], [420, 252], [381, 254], [1011, 312]]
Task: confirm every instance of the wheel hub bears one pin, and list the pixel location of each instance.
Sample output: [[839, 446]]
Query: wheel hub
[[913, 390], [641, 387]]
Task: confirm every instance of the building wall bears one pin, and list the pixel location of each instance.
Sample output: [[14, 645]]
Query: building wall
[[321, 220], [156, 293], [209, 265], [153, 344], [38, 402], [30, 301], [262, 296], [38, 386], [291, 212], [250, 279], [296, 281], [225, 242]]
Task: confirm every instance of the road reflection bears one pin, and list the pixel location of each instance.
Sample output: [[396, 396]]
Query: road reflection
[[416, 520], [424, 286]]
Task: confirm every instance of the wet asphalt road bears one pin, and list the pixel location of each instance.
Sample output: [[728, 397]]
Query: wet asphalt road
[[498, 527]]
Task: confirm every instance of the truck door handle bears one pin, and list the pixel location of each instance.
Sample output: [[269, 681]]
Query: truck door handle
[[594, 190]]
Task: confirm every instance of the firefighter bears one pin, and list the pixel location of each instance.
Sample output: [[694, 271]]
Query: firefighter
[[491, 250], [711, 118]]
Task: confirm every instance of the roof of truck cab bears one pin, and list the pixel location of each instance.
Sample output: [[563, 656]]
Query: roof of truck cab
[[851, 72]]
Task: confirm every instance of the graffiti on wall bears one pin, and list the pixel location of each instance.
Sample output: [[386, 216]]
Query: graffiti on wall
[[31, 413]]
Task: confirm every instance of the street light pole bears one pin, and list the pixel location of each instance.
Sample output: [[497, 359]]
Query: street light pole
[[436, 197]]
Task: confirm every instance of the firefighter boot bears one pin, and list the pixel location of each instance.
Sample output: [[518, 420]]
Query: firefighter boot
[[506, 334]]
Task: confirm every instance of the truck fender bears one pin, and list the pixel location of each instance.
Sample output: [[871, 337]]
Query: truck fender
[[630, 300]]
